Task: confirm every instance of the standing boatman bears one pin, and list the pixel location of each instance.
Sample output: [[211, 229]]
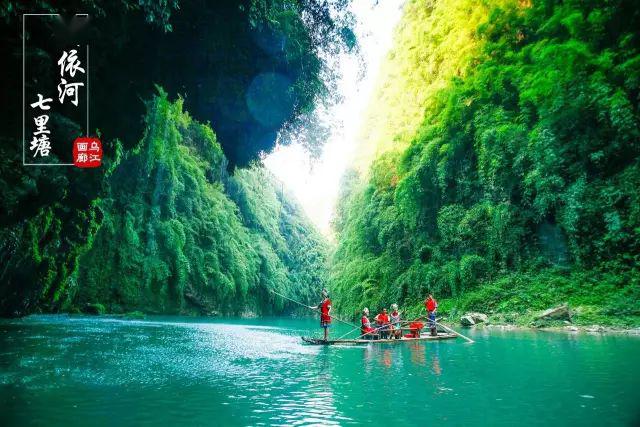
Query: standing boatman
[[431, 305], [325, 313], [382, 320]]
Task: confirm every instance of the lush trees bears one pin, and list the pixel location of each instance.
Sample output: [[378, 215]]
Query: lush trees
[[248, 67], [171, 232], [180, 235], [228, 59], [526, 162], [437, 42], [499, 165]]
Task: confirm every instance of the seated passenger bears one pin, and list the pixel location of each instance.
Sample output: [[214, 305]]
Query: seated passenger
[[396, 331], [416, 329], [365, 328]]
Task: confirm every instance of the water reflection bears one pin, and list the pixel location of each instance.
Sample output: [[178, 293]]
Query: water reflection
[[311, 399], [417, 353], [386, 358], [383, 356], [387, 355], [435, 361]]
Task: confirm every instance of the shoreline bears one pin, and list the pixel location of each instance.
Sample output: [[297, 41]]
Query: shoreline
[[593, 329], [573, 329]]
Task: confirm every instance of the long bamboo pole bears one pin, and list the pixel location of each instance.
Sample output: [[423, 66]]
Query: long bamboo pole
[[434, 322], [370, 332], [454, 332], [314, 309], [401, 322], [342, 336], [448, 329]]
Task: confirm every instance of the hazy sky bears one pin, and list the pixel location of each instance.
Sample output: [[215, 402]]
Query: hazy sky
[[316, 183]]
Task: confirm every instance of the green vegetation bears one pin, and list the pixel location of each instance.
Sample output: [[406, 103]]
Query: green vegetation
[[250, 68], [135, 315], [518, 188], [247, 66], [94, 308], [439, 36], [499, 164], [171, 233], [180, 236]]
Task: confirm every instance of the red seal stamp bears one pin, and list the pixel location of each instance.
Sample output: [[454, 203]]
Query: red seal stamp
[[87, 152]]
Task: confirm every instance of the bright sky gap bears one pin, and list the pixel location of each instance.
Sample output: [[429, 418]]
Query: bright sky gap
[[315, 183]]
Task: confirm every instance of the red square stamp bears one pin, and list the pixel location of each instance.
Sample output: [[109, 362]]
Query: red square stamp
[[87, 152]]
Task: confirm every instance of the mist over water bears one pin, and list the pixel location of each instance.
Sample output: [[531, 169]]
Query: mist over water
[[171, 370]]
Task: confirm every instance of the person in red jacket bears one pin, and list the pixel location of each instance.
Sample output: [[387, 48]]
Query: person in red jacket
[[431, 305], [383, 323], [325, 313]]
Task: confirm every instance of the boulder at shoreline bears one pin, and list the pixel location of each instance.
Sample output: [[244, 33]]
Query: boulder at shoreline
[[557, 313], [470, 319]]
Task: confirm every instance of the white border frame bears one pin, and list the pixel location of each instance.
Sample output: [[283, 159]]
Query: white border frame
[[24, 106]]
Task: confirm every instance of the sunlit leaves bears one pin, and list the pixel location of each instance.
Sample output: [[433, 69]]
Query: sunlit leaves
[[523, 161]]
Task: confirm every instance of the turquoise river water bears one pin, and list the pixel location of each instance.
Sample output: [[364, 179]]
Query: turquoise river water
[[78, 371]]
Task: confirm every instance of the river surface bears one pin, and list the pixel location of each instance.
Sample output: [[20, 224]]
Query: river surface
[[78, 371]]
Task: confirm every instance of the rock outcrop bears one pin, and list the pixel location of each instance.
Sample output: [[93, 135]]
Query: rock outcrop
[[557, 313], [467, 320], [479, 317], [470, 319]]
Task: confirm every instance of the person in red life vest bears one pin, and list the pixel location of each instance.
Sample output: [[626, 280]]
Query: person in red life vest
[[365, 328], [325, 313], [431, 305], [383, 324], [416, 329]]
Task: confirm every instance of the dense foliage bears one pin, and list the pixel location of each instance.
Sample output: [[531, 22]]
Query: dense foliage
[[172, 233], [179, 235], [498, 168], [247, 67], [518, 189]]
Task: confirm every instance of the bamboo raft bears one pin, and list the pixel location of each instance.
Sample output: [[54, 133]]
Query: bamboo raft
[[318, 341]]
